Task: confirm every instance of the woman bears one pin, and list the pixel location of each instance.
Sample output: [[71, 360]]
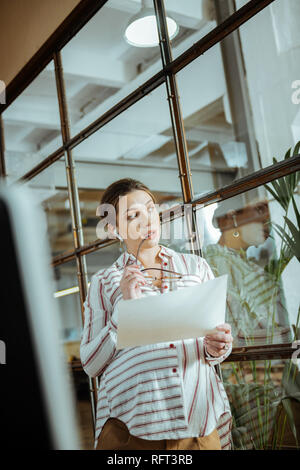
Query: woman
[[159, 396]]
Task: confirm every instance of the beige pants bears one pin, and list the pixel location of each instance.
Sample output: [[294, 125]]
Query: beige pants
[[115, 436]]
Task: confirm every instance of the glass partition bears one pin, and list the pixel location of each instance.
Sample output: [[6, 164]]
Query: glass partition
[[32, 125], [264, 398], [68, 300], [254, 238], [214, 151], [138, 144], [239, 112], [101, 67], [50, 192], [175, 234], [69, 305], [194, 19], [103, 258]]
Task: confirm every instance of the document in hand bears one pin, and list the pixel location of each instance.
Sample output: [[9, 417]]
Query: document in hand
[[189, 312]]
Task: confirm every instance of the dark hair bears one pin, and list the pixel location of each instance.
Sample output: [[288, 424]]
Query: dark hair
[[121, 188]]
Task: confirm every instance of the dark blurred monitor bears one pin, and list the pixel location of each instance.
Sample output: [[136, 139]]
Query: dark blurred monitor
[[36, 393]]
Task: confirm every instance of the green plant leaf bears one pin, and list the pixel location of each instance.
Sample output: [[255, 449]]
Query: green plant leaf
[[292, 182], [288, 154], [282, 192], [283, 188], [275, 196], [294, 231], [296, 149], [286, 403], [283, 235], [297, 214]]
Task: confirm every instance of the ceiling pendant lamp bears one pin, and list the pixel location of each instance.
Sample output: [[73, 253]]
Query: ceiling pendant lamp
[[142, 31]]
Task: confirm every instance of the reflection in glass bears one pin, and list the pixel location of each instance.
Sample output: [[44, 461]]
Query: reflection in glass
[[32, 125], [264, 398], [236, 123], [271, 42], [240, 237], [195, 20], [214, 151]]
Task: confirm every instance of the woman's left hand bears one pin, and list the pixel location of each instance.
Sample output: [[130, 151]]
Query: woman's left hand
[[215, 342]]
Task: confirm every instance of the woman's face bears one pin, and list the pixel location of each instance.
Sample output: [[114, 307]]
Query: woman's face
[[136, 216]]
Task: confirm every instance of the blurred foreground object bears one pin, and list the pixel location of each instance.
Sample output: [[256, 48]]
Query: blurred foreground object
[[36, 398]]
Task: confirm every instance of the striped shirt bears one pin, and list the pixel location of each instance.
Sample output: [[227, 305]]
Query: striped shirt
[[160, 391]]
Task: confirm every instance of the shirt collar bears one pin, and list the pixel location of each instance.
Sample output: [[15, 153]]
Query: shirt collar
[[125, 258]]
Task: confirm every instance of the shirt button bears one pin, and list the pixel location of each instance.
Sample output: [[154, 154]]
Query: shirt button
[[172, 345], [165, 263], [174, 370]]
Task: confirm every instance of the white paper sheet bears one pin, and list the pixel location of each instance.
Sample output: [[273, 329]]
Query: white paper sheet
[[189, 312]]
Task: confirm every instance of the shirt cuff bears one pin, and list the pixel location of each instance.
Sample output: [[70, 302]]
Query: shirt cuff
[[213, 360]]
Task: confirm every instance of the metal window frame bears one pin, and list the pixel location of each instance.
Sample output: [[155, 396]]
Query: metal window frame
[[51, 51]]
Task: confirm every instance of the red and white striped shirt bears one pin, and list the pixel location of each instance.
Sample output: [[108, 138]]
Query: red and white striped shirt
[[160, 391]]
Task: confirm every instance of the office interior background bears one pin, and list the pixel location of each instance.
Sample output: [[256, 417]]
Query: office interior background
[[209, 118]]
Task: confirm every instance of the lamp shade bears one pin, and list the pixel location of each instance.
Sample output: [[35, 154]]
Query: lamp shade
[[141, 30]]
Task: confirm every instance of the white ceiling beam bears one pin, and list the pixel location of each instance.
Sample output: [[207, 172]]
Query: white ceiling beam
[[93, 175], [26, 114], [15, 134], [23, 148], [97, 68], [147, 146], [209, 133]]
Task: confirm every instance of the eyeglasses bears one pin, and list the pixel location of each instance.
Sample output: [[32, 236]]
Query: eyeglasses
[[176, 280], [176, 276]]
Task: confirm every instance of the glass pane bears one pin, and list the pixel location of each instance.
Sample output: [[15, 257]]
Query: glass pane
[[274, 36], [68, 303], [174, 233], [101, 67], [195, 19], [102, 258], [137, 144], [264, 401], [68, 300], [249, 238], [237, 107], [32, 125], [50, 191]]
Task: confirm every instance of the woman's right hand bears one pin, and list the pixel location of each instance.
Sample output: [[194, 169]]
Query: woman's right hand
[[130, 283]]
